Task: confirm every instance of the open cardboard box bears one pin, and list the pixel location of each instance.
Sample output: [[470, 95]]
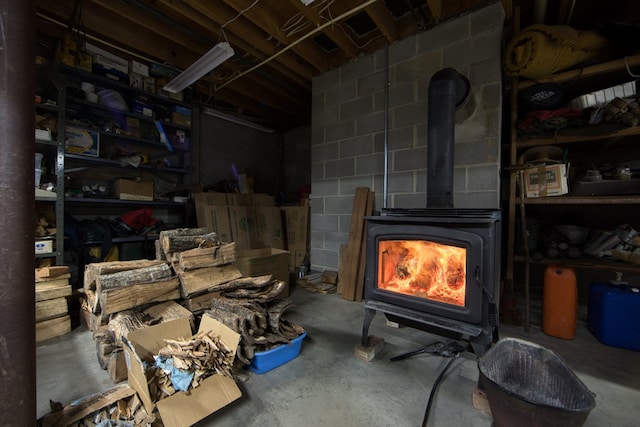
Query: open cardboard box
[[180, 409]]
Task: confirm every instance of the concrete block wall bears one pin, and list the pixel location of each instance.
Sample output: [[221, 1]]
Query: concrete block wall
[[347, 130]]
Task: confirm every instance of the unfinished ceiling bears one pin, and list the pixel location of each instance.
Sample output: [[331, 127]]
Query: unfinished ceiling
[[279, 44]]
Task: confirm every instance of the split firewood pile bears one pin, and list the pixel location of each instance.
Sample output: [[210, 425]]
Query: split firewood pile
[[119, 405], [194, 273]]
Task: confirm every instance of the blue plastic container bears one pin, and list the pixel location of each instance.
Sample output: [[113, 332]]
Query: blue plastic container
[[265, 361], [614, 315]]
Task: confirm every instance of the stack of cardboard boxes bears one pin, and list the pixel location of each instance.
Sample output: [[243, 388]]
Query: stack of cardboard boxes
[[256, 226]]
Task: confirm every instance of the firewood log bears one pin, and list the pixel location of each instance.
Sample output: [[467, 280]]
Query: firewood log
[[93, 270]]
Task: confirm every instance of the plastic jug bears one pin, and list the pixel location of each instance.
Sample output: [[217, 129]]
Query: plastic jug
[[560, 302]]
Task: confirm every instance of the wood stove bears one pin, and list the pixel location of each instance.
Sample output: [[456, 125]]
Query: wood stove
[[437, 268]]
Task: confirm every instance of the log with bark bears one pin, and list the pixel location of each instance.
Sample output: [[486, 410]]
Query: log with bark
[[120, 299], [266, 294], [182, 239], [94, 270], [206, 257], [121, 279]]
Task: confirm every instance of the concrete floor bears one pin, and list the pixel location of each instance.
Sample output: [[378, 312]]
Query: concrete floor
[[327, 386]]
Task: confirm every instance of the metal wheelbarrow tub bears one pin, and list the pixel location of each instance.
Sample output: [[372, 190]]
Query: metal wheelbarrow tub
[[528, 385]]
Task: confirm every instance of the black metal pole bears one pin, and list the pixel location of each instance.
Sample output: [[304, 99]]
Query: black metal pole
[[17, 294]]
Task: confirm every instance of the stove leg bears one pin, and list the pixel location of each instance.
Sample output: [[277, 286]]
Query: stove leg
[[369, 314]]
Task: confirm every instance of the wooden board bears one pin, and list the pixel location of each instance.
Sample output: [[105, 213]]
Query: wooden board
[[53, 289], [342, 261], [330, 277], [354, 244], [362, 258], [51, 308], [119, 299], [66, 276], [50, 272], [52, 328], [206, 279]]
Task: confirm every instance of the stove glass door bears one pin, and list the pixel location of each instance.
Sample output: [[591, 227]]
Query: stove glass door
[[423, 269]]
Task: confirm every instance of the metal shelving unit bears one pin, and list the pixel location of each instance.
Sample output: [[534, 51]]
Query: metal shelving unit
[[585, 143]]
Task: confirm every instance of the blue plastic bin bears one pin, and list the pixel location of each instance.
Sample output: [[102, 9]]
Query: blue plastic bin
[[265, 361]]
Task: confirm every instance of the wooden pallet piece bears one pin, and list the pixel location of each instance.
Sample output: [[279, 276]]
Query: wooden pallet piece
[[354, 244], [363, 249]]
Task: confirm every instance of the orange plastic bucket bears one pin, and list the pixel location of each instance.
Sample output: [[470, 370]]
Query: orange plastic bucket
[[560, 302]]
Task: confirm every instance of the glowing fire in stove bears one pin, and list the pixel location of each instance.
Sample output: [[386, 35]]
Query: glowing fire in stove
[[423, 269]]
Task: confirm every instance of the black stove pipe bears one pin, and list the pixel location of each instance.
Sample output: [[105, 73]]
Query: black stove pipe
[[447, 90]]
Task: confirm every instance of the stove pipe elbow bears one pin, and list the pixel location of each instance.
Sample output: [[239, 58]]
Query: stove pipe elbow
[[447, 90]]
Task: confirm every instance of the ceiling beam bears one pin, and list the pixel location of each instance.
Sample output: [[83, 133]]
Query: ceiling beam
[[379, 13], [190, 18], [220, 14], [333, 32], [269, 21]]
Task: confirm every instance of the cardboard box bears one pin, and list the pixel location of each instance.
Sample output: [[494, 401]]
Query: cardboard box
[[215, 218], [181, 110], [180, 409], [180, 119], [553, 184], [111, 63], [214, 199], [82, 141], [150, 84], [296, 227], [138, 68], [269, 227], [258, 262], [44, 246], [126, 189], [243, 227]]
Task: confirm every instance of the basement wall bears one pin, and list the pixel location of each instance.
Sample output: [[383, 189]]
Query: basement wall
[[347, 130], [226, 147]]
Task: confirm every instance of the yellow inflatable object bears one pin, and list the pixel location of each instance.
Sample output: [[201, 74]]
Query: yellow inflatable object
[[541, 50]]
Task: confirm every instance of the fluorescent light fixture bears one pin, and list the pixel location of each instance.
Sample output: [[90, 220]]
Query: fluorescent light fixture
[[236, 120], [210, 60]]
